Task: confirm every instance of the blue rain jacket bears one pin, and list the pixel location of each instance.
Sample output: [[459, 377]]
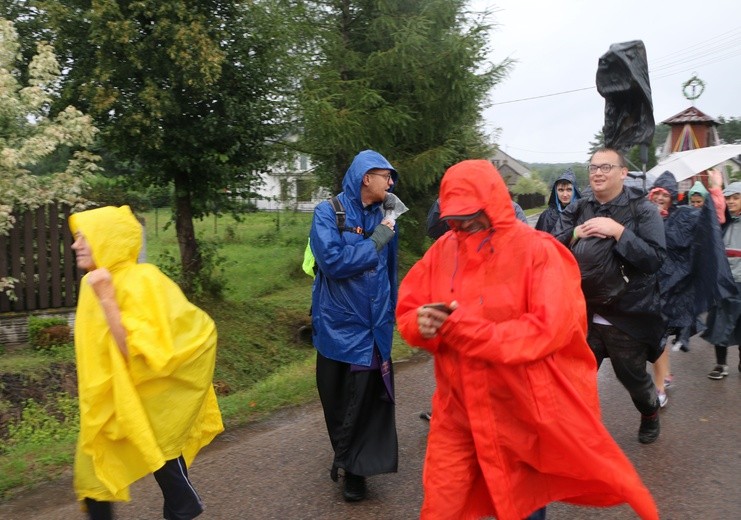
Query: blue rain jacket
[[354, 293]]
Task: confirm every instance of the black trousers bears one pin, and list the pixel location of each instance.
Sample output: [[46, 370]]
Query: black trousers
[[181, 500], [360, 418], [628, 358]]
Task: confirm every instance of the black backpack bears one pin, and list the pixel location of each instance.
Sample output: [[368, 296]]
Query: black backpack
[[604, 276]]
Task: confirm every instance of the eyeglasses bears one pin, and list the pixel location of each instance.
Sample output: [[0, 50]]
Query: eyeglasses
[[387, 175], [604, 168]]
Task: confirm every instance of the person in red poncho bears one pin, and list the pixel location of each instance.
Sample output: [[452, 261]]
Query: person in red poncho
[[516, 422]]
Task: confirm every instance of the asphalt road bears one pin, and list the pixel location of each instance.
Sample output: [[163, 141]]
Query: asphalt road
[[279, 469]]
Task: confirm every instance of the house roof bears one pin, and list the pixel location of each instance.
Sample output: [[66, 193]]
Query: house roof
[[503, 161], [690, 115]]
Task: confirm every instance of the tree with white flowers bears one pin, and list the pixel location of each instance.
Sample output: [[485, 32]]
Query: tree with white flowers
[[30, 135]]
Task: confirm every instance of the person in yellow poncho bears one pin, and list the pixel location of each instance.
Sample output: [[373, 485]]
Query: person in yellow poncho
[[145, 362]]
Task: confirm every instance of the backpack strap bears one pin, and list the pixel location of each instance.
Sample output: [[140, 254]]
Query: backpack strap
[[340, 215]]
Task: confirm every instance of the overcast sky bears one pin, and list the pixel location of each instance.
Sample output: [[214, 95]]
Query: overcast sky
[[557, 45]]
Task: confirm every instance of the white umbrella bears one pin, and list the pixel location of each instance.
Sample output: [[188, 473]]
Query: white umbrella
[[684, 165]]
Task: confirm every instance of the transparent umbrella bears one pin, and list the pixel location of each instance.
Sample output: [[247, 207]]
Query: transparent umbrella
[[684, 165]]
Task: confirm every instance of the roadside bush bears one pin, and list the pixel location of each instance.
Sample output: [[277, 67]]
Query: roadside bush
[[48, 333], [44, 424]]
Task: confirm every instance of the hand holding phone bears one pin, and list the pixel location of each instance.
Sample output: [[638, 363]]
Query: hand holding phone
[[440, 307]]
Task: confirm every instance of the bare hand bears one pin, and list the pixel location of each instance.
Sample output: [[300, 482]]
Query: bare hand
[[389, 223], [429, 320], [102, 283], [715, 178], [600, 227]]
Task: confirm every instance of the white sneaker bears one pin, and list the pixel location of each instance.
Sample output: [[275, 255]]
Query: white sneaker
[[677, 346], [663, 399]]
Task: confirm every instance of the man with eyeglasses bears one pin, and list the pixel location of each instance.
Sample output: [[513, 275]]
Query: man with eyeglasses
[[353, 301], [629, 329]]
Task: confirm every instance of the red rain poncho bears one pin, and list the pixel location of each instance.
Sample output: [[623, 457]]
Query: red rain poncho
[[516, 421]]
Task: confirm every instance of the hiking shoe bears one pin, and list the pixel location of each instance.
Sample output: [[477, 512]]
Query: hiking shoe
[[355, 488], [663, 399], [649, 430], [426, 416], [719, 372]]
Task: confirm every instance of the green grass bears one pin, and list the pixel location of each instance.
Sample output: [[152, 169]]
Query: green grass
[[262, 364]]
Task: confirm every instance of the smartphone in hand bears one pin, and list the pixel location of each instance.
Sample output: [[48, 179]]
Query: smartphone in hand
[[440, 307]]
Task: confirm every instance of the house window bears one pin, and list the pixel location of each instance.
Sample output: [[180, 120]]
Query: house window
[[303, 162], [304, 188], [284, 191]]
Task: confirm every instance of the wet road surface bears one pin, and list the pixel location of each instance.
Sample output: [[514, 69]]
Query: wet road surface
[[279, 469]]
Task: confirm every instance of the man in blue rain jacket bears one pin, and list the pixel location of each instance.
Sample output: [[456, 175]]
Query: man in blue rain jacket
[[353, 302]]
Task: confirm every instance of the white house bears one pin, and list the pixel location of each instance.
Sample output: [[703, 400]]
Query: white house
[[290, 186]]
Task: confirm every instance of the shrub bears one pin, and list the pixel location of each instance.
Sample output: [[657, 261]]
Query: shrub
[[41, 425], [47, 333]]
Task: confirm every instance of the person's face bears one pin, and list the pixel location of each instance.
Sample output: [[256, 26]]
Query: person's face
[[377, 182], [734, 203], [472, 225], [565, 191], [606, 185], [662, 199], [83, 253], [696, 201]]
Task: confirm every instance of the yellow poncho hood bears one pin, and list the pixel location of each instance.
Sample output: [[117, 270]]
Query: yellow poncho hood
[[136, 414]]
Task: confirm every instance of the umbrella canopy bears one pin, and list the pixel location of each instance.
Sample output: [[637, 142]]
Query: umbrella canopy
[[684, 165]]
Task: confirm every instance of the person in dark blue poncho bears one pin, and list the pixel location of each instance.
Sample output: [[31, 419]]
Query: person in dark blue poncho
[[694, 274], [563, 192]]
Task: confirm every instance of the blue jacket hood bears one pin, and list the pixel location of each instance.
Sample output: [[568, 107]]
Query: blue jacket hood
[[568, 176], [364, 161]]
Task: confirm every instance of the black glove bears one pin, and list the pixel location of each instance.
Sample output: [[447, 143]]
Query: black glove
[[381, 236]]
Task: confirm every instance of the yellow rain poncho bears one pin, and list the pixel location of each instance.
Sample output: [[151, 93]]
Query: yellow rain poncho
[[136, 414]]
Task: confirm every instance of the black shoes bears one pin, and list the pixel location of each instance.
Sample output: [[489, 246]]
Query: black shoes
[[649, 430], [355, 489]]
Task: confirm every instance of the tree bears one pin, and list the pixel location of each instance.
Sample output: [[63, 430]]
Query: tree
[[526, 186], [189, 92], [29, 135], [633, 155], [730, 129], [408, 78], [548, 173]]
